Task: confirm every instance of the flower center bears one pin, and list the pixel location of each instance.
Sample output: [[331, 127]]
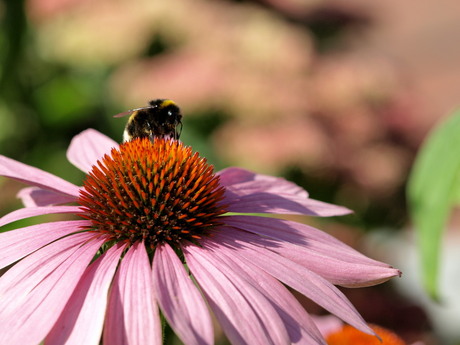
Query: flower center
[[158, 191]]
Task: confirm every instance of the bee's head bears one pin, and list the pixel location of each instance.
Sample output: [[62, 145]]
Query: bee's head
[[168, 112]]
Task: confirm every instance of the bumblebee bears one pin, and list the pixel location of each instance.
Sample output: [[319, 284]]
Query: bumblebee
[[160, 119]]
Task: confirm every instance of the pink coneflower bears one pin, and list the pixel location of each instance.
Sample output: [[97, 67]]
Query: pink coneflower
[[147, 209]]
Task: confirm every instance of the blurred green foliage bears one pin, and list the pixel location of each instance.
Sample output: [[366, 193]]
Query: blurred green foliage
[[42, 104], [433, 190]]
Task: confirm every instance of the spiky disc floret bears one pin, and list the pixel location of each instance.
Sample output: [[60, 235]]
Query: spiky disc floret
[[158, 191]]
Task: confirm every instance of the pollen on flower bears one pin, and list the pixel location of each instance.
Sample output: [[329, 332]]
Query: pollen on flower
[[348, 335], [158, 191]]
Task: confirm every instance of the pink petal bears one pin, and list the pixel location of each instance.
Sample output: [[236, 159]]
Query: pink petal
[[16, 244], [294, 275], [35, 290], [37, 211], [300, 326], [87, 147], [316, 250], [37, 197], [246, 316], [281, 203], [83, 317], [243, 182], [179, 299], [36, 177], [132, 313]]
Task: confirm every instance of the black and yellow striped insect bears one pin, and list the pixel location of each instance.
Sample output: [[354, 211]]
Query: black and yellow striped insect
[[161, 118]]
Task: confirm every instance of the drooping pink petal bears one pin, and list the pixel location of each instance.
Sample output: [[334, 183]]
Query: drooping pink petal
[[294, 275], [299, 325], [37, 211], [264, 202], [248, 192], [38, 197], [316, 250], [246, 316], [36, 177], [132, 313], [35, 290], [179, 299], [243, 182], [82, 319], [87, 147], [16, 244]]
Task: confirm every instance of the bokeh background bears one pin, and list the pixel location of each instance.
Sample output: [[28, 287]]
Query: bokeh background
[[335, 95]]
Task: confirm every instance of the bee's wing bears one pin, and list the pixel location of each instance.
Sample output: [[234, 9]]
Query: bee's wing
[[125, 113]]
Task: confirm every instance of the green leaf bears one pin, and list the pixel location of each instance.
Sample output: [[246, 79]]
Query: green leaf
[[433, 189]]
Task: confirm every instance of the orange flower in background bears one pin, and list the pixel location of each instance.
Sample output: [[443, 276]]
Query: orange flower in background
[[348, 335]]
